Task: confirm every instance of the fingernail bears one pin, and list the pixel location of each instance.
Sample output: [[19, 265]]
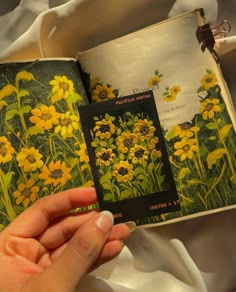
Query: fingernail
[[105, 221], [131, 225]]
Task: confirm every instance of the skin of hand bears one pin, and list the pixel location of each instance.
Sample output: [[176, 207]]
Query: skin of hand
[[49, 248]]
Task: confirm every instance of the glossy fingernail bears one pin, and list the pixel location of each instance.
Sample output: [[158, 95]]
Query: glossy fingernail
[[131, 225], [105, 221]]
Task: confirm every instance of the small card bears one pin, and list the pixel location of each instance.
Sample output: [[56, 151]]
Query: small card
[[128, 157]]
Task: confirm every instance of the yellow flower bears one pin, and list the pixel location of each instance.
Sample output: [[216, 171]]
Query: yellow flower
[[4, 92], [169, 98], [185, 130], [208, 81], [62, 87], [154, 81], [56, 173], [102, 92], [174, 90], [67, 124], [123, 171], [6, 150], [209, 107], [45, 117], [125, 141], [29, 159], [154, 146], [104, 129], [144, 128], [82, 153], [185, 148], [104, 157], [26, 193], [138, 154], [94, 82]]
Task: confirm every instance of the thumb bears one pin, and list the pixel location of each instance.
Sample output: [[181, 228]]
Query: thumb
[[80, 254]]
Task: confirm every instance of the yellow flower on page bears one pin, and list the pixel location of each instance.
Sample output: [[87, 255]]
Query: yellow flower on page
[[26, 193], [208, 81], [154, 81], [82, 153], [104, 157], [62, 88], [67, 124], [29, 159], [102, 92], [185, 130], [57, 173], [104, 129], [185, 148], [4, 92], [123, 171], [209, 107], [6, 150], [45, 117]]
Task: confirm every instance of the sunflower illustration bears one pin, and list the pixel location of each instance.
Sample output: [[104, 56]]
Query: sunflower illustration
[[104, 128], [185, 130], [57, 173], [67, 124], [45, 117], [6, 150], [29, 159], [123, 171], [104, 157], [125, 141], [144, 128], [102, 92], [26, 193], [185, 148], [138, 154], [209, 80], [62, 88], [209, 107]]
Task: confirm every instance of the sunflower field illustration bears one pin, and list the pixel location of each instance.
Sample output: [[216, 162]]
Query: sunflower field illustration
[[42, 148], [202, 153], [127, 155]]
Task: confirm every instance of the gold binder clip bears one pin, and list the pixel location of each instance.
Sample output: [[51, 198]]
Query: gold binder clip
[[221, 30]]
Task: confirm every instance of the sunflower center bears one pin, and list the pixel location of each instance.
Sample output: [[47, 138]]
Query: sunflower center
[[186, 148], [105, 156], [139, 153], [104, 128], [57, 173], [185, 126], [26, 192], [46, 116], [64, 86], [128, 142], [209, 106], [31, 158], [144, 129], [123, 171], [3, 149], [103, 94], [208, 80], [66, 122]]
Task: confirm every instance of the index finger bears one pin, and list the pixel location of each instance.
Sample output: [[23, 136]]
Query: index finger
[[36, 218]]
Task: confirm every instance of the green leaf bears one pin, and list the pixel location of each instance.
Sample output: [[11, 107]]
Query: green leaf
[[170, 135], [156, 72], [26, 109], [103, 143], [108, 197], [126, 194], [33, 131], [8, 177], [74, 98], [10, 114], [200, 89], [183, 172], [195, 181], [211, 126], [212, 138], [214, 156], [23, 92], [106, 186], [208, 71], [224, 131]]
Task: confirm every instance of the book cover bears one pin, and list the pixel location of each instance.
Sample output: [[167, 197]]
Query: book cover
[[192, 100]]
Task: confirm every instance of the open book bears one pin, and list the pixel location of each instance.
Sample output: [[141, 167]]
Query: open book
[[165, 140]]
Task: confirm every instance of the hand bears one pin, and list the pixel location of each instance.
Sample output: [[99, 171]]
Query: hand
[[48, 249]]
